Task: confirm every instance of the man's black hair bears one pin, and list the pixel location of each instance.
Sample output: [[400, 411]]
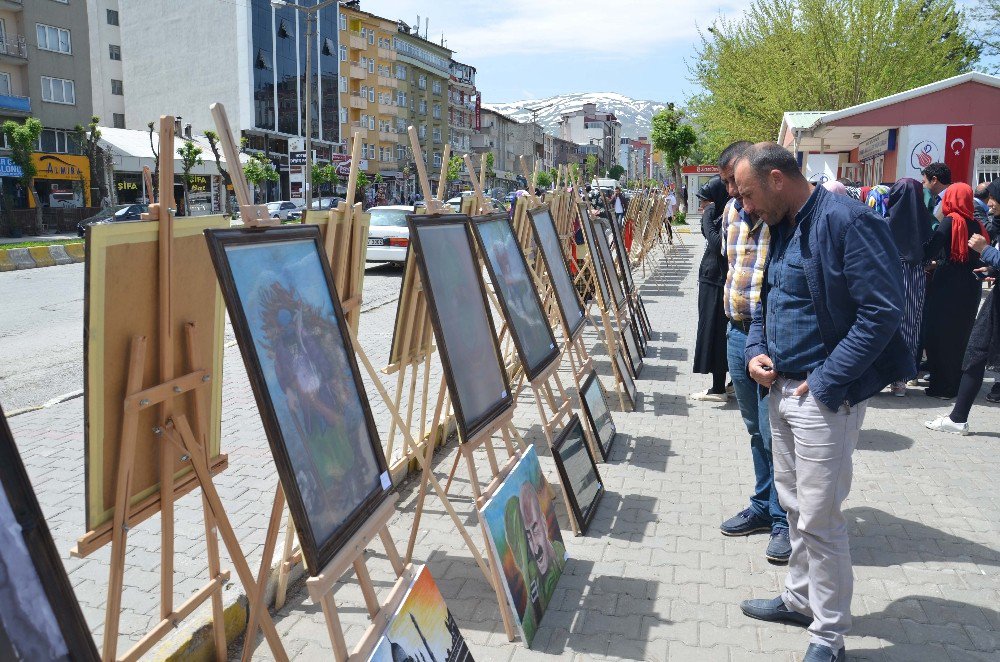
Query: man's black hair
[[982, 192], [732, 153], [938, 170], [765, 157]]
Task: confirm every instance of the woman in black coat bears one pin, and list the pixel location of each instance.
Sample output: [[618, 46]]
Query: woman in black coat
[[710, 344]]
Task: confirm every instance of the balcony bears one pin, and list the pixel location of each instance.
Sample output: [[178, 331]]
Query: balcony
[[357, 72], [388, 81], [13, 49], [12, 5], [358, 101], [386, 54], [15, 105], [388, 109], [358, 129], [388, 136], [356, 42]]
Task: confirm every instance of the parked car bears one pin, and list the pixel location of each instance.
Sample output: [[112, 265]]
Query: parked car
[[281, 209], [130, 212], [388, 234], [322, 204]]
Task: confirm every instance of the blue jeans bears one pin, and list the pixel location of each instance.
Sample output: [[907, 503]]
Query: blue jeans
[[753, 408]]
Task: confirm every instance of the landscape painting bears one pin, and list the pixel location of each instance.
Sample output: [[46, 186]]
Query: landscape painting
[[555, 264], [526, 541], [578, 472], [595, 406]]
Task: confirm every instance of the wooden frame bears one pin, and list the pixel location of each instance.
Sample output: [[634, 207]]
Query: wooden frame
[[588, 234], [504, 293], [623, 366], [629, 338], [37, 548], [574, 434], [590, 386], [548, 244], [469, 427], [317, 552], [607, 263]]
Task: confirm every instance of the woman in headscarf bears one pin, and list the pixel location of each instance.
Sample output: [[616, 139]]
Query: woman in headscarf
[[953, 297], [983, 350], [910, 223], [878, 199], [834, 186], [710, 343]]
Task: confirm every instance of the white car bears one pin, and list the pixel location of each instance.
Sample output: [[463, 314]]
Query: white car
[[388, 234], [280, 209]]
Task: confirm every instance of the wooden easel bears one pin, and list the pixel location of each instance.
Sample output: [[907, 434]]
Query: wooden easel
[[194, 449]]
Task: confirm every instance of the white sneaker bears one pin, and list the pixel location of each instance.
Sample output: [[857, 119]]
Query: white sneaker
[[709, 397], [899, 389], [945, 424]]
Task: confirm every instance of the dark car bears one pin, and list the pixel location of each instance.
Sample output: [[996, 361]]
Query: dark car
[[130, 212], [323, 204]]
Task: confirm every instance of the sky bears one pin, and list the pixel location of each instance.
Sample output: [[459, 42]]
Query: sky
[[532, 49]]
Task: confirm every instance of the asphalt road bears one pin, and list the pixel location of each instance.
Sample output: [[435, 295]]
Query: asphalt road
[[41, 330]]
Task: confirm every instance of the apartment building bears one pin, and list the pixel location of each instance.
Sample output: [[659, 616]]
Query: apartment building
[[463, 106], [107, 72], [497, 134], [598, 131]]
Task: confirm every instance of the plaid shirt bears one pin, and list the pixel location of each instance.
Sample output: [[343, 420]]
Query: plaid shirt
[[745, 247]]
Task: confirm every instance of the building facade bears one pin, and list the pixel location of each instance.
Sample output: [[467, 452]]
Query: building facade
[[107, 72], [464, 106], [598, 129], [497, 135]]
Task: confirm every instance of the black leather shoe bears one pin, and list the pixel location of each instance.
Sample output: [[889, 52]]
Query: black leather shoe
[[744, 523], [774, 611], [821, 653]]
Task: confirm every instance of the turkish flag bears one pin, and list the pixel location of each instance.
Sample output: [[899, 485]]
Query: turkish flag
[[958, 152]]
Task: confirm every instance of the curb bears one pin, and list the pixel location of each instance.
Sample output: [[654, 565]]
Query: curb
[[13, 259]]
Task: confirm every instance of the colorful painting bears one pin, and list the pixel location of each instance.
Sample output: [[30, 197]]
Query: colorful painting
[[595, 406], [463, 323], [518, 296], [555, 264], [288, 323], [422, 629], [525, 539], [578, 472]]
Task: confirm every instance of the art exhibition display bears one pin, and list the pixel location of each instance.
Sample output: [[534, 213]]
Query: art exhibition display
[[291, 331], [463, 324], [595, 407], [578, 472], [624, 367], [546, 238], [516, 292], [607, 262], [631, 341], [624, 266], [40, 618], [526, 542], [422, 628], [604, 294]]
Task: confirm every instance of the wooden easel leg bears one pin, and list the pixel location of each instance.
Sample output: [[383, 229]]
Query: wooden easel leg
[[258, 602], [426, 473], [451, 474], [284, 569], [333, 627], [400, 376]]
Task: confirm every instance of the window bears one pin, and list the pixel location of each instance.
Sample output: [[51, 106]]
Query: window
[[371, 125], [117, 87], [423, 131], [5, 84], [343, 116], [57, 141], [437, 111], [343, 53], [371, 66], [343, 22], [371, 37], [437, 159], [436, 87], [364, 33], [364, 92], [112, 17], [400, 153], [401, 99], [400, 72], [343, 84], [423, 106], [400, 124], [53, 39], [58, 90], [371, 95], [115, 51], [119, 120], [437, 135], [422, 82]]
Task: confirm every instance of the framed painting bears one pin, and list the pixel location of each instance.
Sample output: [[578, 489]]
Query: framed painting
[[525, 541], [120, 301], [462, 320], [40, 618], [622, 365], [627, 333], [516, 291], [624, 266], [604, 295], [422, 628], [291, 331], [607, 262], [570, 308], [595, 408], [578, 472]]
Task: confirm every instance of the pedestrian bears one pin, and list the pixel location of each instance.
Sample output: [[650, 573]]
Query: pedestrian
[[983, 350], [910, 223], [937, 178], [618, 201], [955, 291], [745, 242], [710, 356], [833, 186], [825, 338]]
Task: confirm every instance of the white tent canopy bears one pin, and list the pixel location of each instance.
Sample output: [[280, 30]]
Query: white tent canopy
[[130, 151]]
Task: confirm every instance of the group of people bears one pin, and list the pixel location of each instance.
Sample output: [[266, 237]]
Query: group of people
[[813, 298]]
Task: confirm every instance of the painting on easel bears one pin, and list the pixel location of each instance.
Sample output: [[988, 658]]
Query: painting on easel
[[595, 406], [516, 292], [40, 618], [291, 331], [422, 628], [526, 541], [555, 264], [578, 473]]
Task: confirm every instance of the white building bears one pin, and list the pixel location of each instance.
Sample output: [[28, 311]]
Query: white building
[[106, 58]]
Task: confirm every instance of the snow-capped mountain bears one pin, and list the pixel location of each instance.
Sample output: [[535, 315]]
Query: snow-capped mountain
[[634, 114]]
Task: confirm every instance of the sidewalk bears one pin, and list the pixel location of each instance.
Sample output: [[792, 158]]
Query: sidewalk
[[653, 580]]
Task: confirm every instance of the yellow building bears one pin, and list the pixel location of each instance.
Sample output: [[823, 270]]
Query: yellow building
[[368, 93]]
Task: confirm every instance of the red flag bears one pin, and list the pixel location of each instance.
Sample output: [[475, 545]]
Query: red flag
[[958, 152]]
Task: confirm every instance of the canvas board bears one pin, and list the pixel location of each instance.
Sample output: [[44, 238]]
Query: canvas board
[[607, 262], [121, 301], [628, 335], [595, 407], [292, 334], [570, 308], [624, 266], [516, 291], [423, 628], [463, 323], [625, 372], [579, 474], [40, 618], [526, 542], [604, 295]]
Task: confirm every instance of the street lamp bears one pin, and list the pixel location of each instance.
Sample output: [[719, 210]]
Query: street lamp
[[310, 13]]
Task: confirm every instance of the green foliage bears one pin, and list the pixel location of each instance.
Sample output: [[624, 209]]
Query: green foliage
[[323, 174], [543, 179], [23, 140], [680, 218], [616, 172], [454, 168], [986, 13], [574, 171], [363, 180], [590, 167], [378, 178], [190, 154], [259, 169], [672, 136], [490, 161], [788, 55]]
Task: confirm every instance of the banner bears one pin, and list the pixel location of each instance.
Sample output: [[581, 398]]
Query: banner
[[919, 146], [958, 152]]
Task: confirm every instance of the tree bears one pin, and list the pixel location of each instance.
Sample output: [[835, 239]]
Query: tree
[[788, 55], [574, 171], [190, 154], [259, 169], [23, 140], [590, 167], [227, 180], [323, 175], [454, 168], [543, 179], [490, 173], [88, 138], [156, 164], [674, 137], [986, 13], [616, 171], [361, 186]]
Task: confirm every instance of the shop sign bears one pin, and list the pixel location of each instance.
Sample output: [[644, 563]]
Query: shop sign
[[877, 145], [61, 166], [707, 169], [10, 169]]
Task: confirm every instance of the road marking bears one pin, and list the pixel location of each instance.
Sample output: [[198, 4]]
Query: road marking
[[51, 403]]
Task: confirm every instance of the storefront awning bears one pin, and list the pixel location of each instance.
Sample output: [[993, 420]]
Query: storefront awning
[[130, 151]]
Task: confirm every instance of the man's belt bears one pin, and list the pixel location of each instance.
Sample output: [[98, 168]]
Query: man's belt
[[742, 325], [794, 376]]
